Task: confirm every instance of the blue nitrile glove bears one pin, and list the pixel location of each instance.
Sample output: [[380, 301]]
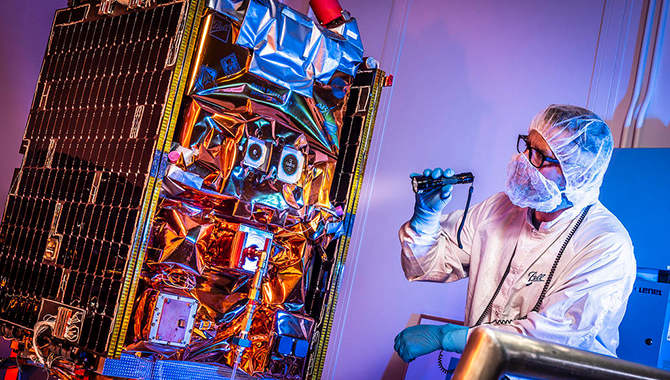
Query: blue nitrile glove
[[419, 340], [428, 205]]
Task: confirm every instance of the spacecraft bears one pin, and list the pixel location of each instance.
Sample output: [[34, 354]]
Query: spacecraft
[[191, 172]]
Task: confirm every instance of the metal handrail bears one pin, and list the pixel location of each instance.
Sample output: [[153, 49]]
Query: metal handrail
[[492, 353]]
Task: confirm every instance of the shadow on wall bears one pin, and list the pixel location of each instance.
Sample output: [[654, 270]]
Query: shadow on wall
[[397, 368], [436, 117], [653, 133]]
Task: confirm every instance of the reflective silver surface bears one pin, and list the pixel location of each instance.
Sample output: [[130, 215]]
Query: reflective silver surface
[[492, 353]]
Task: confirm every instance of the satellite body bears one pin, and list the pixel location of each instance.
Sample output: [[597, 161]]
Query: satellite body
[[191, 172]]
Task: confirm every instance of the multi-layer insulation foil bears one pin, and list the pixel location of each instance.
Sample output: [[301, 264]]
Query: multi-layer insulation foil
[[174, 204]]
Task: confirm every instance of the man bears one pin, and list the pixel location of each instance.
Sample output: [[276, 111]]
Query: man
[[545, 258]]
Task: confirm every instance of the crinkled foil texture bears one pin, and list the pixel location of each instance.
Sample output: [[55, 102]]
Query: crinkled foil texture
[[292, 50], [229, 171]]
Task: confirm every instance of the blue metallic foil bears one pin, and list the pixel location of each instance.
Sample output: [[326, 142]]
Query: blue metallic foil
[[218, 165], [231, 8], [293, 51], [351, 52], [266, 100]]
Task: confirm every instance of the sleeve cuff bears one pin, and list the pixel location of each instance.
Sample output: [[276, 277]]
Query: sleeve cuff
[[425, 239]]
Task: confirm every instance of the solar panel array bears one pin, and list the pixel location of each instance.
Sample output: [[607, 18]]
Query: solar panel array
[[90, 142], [73, 231]]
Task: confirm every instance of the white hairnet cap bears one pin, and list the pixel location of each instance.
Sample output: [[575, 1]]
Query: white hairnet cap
[[582, 143]]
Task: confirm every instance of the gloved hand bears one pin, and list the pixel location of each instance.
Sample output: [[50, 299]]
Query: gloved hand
[[428, 205], [419, 340]]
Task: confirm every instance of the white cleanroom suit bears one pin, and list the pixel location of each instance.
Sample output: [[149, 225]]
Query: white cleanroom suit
[[587, 297]]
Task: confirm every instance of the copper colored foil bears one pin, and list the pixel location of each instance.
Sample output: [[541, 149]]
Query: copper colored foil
[[262, 357], [209, 250], [216, 145], [250, 170]]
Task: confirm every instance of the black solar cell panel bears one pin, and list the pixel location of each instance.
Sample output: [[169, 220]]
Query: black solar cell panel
[[92, 134]]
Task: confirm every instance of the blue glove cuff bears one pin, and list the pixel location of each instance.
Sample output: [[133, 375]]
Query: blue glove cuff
[[424, 223], [455, 339]]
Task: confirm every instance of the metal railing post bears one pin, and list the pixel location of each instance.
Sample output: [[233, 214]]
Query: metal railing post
[[492, 353]]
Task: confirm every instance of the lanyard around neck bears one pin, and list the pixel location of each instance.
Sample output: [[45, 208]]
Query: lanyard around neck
[[536, 308]]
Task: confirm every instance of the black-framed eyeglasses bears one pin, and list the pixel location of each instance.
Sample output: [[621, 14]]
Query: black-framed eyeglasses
[[535, 157]]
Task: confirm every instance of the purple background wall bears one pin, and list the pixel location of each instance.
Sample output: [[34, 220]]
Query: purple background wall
[[24, 27], [469, 76]]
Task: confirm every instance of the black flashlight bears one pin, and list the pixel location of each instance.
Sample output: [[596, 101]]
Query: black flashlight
[[422, 183]]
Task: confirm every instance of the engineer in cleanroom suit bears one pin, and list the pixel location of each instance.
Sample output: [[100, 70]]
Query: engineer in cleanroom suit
[[512, 239]]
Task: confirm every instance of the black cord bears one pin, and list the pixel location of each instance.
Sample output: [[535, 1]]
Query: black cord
[[465, 213], [460, 245], [495, 294], [536, 308], [558, 258], [439, 363]]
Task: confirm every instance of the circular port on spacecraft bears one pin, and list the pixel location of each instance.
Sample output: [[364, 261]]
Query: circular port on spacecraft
[[255, 151], [290, 164]]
